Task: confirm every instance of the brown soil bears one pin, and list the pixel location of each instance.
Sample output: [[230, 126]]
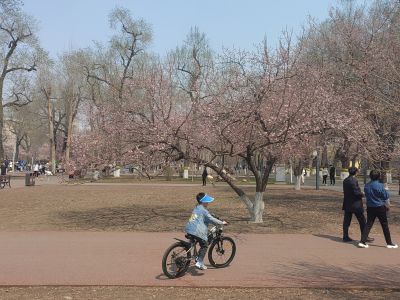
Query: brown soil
[[70, 293], [163, 208]]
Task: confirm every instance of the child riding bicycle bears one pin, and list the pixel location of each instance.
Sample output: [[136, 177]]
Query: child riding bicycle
[[197, 226]]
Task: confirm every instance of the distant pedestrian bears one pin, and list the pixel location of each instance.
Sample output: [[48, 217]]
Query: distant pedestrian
[[3, 169], [6, 163], [324, 175], [303, 175], [332, 174], [377, 207], [204, 176], [36, 170], [352, 204]]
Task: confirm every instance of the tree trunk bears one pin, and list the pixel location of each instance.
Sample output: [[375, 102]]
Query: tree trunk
[[255, 206], [345, 162], [52, 143], [1, 121], [384, 166], [68, 140], [297, 186], [17, 144], [258, 208], [242, 195], [324, 159], [248, 202], [298, 171]]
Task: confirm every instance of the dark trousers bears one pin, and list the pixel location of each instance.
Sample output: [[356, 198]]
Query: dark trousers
[[204, 180], [203, 247], [347, 221], [324, 179], [372, 214], [332, 178]]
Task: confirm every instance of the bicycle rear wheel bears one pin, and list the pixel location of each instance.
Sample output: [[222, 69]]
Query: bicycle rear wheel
[[176, 260], [222, 251]]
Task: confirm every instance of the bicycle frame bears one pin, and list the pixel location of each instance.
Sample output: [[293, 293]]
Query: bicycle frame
[[214, 233], [192, 246]]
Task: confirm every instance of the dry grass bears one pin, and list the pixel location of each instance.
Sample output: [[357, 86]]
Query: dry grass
[[163, 208]]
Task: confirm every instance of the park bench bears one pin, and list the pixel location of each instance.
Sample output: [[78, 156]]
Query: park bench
[[5, 180]]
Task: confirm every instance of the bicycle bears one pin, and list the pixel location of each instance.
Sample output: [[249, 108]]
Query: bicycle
[[178, 257]]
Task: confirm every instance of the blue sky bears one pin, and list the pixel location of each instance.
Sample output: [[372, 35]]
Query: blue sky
[[71, 24]]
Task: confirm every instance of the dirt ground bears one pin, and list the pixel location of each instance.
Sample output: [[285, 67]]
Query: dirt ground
[[147, 208], [115, 292], [198, 180]]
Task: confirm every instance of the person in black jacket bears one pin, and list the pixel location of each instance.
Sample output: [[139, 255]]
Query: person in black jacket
[[332, 174], [204, 176], [352, 204], [3, 169]]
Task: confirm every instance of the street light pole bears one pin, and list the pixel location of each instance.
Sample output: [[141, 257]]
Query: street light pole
[[317, 173]]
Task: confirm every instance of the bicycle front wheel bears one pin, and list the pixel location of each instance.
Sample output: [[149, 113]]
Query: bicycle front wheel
[[176, 260], [222, 251]]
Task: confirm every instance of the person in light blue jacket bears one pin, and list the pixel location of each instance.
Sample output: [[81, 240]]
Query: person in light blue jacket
[[197, 226], [377, 207]]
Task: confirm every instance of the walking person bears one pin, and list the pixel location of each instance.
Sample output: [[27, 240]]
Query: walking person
[[352, 204], [6, 163], [204, 176], [324, 175], [332, 174], [36, 170], [377, 207], [3, 169]]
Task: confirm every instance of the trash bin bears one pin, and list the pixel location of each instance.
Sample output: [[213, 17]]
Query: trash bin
[[29, 179]]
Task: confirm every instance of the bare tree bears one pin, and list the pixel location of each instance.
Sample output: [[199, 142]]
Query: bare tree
[[18, 55], [114, 66]]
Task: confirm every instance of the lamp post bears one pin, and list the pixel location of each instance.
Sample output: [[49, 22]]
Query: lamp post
[[399, 183], [316, 156]]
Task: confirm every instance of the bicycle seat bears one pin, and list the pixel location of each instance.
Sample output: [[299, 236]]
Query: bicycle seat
[[190, 237]]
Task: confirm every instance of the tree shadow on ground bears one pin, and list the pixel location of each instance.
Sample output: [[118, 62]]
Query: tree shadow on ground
[[332, 276], [286, 211], [147, 218], [126, 218]]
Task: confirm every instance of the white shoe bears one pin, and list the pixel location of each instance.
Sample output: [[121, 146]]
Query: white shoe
[[362, 245], [200, 266], [392, 246]]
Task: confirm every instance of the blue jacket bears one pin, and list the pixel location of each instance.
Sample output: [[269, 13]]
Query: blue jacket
[[375, 193], [199, 221]]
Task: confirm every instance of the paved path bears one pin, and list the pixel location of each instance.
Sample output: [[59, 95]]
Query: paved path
[[112, 258]]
